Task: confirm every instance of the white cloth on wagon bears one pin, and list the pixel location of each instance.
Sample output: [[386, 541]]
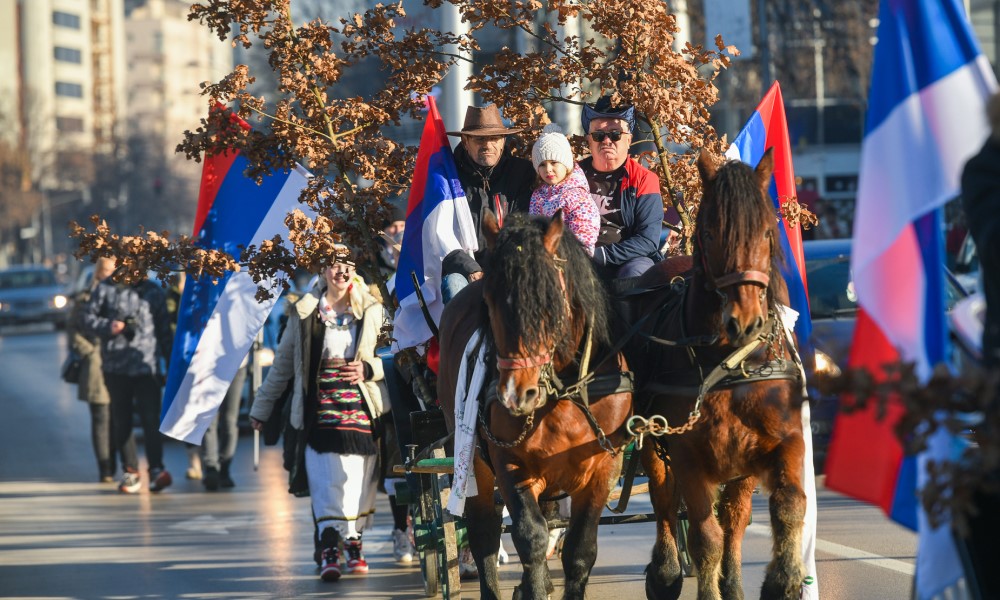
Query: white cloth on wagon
[[342, 488], [466, 422]]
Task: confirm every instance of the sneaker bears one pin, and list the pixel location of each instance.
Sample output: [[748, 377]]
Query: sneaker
[[130, 484], [211, 479], [356, 562], [402, 551], [159, 478], [502, 556], [330, 565], [467, 568]]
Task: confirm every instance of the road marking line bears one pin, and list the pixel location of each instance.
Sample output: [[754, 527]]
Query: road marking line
[[848, 552]]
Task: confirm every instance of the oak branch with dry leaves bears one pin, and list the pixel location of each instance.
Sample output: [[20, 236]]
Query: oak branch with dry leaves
[[348, 143]]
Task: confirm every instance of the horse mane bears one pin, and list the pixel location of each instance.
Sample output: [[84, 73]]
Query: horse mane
[[734, 209], [529, 295]]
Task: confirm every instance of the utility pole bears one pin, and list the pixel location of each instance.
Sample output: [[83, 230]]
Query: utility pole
[[455, 99], [765, 47], [818, 45]]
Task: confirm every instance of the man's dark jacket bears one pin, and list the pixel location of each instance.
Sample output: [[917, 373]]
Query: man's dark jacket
[[502, 189], [144, 304], [981, 201]]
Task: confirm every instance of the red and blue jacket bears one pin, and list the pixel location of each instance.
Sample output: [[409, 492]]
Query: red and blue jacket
[[641, 215]]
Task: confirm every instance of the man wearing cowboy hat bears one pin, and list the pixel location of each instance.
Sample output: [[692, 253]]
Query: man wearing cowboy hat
[[493, 180]]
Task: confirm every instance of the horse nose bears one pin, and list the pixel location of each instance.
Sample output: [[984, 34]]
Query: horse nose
[[529, 398], [738, 334], [733, 330], [755, 326]]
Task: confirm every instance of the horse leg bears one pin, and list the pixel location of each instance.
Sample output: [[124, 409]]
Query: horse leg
[[580, 548], [663, 574], [531, 538], [705, 537], [734, 515], [483, 522], [785, 572]]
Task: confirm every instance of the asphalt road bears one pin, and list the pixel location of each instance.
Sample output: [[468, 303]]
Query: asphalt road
[[63, 535]]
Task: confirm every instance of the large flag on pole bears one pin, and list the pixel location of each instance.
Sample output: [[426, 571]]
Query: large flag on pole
[[218, 319], [438, 221], [767, 128], [925, 118]]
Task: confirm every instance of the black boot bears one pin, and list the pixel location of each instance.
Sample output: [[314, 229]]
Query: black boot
[[224, 479], [210, 479]]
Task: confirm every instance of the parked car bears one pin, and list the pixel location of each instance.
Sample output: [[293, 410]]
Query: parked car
[[833, 309], [31, 294]]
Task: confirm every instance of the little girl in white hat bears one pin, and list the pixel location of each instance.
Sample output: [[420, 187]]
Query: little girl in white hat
[[563, 185]]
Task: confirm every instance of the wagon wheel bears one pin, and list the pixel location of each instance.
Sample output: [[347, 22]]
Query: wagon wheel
[[423, 520], [683, 553]]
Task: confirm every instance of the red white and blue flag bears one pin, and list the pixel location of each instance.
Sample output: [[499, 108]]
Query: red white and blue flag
[[438, 221], [926, 117], [219, 318], [767, 128]]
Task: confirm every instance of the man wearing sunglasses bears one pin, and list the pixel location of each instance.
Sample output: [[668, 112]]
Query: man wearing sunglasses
[[627, 194]]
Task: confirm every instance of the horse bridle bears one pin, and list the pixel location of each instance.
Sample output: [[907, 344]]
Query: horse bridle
[[546, 376], [717, 284]]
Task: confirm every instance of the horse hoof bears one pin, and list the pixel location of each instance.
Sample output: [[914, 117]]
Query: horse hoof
[[658, 589]]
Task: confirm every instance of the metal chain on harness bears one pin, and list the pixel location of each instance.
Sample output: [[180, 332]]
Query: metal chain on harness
[[658, 426], [524, 432]]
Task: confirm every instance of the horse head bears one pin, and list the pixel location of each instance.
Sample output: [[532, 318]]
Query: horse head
[[539, 288], [735, 245]]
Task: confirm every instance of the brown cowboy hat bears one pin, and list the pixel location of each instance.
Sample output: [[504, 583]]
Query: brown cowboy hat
[[484, 121]]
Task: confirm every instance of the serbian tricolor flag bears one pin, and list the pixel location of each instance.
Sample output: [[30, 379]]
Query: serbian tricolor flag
[[926, 117], [218, 319], [438, 221], [766, 129]]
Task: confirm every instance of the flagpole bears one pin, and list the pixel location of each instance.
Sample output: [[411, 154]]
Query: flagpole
[[255, 380]]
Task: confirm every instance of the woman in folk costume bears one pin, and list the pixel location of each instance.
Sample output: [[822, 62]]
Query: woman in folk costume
[[328, 351]]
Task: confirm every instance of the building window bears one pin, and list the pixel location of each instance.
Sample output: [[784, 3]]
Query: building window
[[70, 55], [72, 90], [69, 124], [66, 20]]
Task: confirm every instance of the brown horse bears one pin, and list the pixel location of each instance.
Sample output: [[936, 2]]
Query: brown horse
[[729, 389], [538, 304]]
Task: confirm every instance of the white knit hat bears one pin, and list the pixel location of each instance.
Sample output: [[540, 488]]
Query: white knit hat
[[552, 145]]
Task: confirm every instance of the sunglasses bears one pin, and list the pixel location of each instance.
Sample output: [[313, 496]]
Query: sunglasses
[[614, 134]]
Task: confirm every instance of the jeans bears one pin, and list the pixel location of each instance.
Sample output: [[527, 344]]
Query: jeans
[[139, 394], [634, 267], [219, 444], [452, 284], [100, 437]]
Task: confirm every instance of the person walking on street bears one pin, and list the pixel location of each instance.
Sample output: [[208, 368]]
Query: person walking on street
[[91, 388], [218, 447], [132, 322], [626, 193], [494, 181], [328, 352]]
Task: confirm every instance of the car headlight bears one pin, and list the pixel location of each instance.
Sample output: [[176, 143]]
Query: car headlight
[[59, 301], [825, 365], [265, 357]]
